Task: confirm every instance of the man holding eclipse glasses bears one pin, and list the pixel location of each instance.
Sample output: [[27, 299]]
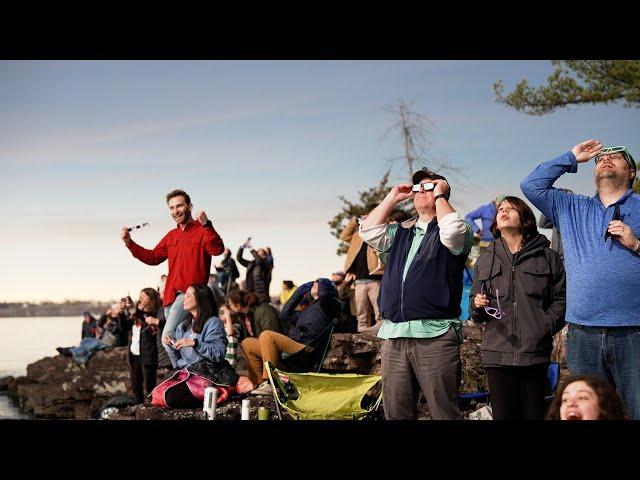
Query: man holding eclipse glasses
[[420, 297]]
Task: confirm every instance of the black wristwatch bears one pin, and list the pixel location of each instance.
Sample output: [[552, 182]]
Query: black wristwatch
[[442, 195], [195, 343]]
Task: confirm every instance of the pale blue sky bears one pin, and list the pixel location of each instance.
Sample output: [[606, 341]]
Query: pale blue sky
[[264, 147]]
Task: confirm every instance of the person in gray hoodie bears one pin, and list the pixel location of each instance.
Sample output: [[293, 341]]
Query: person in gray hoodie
[[519, 292]]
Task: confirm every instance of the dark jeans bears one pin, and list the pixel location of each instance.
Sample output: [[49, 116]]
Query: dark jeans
[[612, 353], [429, 364], [517, 393], [141, 375]]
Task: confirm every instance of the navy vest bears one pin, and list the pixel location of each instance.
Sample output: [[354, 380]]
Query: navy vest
[[433, 287]]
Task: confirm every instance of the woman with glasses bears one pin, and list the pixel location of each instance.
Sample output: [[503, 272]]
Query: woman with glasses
[[518, 292]]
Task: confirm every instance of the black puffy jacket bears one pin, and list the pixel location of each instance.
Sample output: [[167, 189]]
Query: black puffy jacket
[[532, 293]]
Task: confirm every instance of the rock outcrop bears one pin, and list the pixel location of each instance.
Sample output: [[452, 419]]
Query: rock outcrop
[[57, 387]]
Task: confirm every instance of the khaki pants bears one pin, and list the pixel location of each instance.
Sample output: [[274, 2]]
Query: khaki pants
[[432, 365], [367, 302], [266, 348]]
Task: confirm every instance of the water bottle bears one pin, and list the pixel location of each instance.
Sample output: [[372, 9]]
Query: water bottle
[[210, 402], [245, 409]]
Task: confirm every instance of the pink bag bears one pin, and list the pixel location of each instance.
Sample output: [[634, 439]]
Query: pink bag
[[196, 384]]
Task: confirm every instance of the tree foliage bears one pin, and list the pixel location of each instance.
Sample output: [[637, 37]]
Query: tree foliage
[[576, 82]]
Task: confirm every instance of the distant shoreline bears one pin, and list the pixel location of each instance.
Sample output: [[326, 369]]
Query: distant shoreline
[[47, 309]]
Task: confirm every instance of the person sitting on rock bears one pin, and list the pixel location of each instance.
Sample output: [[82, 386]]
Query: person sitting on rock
[[200, 346], [112, 331], [305, 327], [89, 324]]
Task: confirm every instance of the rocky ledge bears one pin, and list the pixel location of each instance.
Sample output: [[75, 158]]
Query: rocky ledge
[[57, 387]]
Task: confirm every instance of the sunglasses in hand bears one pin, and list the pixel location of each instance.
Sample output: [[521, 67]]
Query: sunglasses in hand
[[496, 313]]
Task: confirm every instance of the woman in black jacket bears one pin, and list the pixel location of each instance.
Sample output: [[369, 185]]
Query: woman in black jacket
[[519, 292], [143, 347]]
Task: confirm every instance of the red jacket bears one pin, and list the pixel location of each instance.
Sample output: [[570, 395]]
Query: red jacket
[[189, 252]]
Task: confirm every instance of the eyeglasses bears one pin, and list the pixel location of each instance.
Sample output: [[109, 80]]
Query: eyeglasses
[[610, 152], [613, 156], [496, 313], [427, 187]]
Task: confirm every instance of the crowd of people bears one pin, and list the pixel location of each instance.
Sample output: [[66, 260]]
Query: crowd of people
[[403, 282]]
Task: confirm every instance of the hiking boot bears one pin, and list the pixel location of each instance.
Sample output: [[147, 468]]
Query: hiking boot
[[263, 389], [65, 351]]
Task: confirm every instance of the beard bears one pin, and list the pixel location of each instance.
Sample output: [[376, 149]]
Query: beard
[[613, 178]]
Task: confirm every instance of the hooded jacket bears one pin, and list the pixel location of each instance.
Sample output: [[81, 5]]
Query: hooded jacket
[[311, 322], [532, 294]]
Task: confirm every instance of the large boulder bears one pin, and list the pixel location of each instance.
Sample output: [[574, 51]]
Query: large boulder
[[58, 387]]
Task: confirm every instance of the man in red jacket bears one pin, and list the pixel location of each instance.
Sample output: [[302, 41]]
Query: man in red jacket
[[189, 248]]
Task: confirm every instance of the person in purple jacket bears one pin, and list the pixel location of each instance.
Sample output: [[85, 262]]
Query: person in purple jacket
[[602, 260]]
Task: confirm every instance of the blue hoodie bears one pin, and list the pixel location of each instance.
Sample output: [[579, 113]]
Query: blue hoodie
[[602, 277], [486, 213], [306, 326]]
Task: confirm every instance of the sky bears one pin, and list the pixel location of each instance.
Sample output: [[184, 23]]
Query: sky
[[264, 147]]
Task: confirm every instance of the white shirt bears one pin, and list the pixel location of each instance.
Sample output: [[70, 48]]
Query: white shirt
[[452, 233], [135, 340]]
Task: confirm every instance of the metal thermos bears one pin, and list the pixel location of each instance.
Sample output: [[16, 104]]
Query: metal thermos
[[245, 409], [210, 402]]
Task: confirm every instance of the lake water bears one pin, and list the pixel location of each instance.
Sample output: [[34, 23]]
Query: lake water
[[24, 340]]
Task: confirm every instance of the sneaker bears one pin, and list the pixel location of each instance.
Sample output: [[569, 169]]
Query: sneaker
[[65, 352], [263, 389]]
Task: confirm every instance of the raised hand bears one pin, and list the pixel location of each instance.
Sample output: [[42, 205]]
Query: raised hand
[[441, 186], [125, 236], [202, 217], [402, 192], [586, 150]]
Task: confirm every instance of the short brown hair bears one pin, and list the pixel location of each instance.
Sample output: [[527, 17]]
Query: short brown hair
[[179, 193]]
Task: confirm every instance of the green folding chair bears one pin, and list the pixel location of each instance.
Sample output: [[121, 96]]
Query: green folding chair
[[325, 396]]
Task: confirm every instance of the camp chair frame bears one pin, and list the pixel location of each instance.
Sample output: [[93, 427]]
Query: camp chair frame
[[553, 375], [281, 396], [303, 360]]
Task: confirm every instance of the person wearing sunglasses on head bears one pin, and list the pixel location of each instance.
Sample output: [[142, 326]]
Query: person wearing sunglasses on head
[[420, 297], [602, 258], [519, 292]]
